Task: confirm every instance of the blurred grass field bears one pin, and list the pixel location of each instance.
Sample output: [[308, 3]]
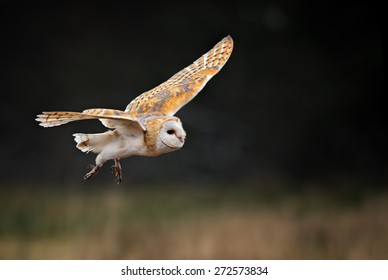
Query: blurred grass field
[[121, 222]]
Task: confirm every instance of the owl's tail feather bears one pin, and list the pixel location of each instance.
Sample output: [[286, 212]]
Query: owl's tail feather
[[49, 119], [82, 141], [93, 142]]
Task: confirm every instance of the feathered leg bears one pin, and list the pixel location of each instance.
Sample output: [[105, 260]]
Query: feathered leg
[[116, 170], [92, 172]]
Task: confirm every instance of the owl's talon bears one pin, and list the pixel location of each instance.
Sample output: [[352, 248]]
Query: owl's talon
[[92, 172], [116, 170]]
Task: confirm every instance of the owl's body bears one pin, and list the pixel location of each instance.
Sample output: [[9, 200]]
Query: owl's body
[[147, 127]]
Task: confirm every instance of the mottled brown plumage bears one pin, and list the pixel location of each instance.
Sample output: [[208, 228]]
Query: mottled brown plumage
[[170, 96]]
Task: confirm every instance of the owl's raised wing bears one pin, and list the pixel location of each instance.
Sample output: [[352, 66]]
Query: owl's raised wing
[[167, 98]]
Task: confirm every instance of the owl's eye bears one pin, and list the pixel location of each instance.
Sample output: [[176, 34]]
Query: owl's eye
[[171, 131]]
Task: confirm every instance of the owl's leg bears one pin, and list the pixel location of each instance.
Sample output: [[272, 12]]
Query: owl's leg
[[92, 172], [116, 170]]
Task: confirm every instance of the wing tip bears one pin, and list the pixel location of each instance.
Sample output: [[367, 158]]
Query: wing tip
[[47, 124], [42, 119], [45, 121], [229, 39]]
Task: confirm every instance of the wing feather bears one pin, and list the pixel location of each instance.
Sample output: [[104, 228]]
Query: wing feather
[[170, 96], [109, 117]]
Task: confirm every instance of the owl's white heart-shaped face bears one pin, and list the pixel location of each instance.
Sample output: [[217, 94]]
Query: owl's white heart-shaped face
[[172, 134]]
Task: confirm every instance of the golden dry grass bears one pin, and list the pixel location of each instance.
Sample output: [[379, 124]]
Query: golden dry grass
[[150, 224]]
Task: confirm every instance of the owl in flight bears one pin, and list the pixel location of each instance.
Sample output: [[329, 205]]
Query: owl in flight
[[147, 126]]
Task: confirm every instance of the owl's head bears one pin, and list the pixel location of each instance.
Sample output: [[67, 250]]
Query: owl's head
[[172, 134], [163, 135]]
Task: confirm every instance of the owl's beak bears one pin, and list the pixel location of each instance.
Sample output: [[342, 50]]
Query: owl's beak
[[181, 138]]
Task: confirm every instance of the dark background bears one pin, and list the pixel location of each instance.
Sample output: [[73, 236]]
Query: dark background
[[286, 154], [301, 98]]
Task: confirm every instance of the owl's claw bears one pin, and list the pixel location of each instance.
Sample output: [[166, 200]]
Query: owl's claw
[[92, 172], [116, 170]]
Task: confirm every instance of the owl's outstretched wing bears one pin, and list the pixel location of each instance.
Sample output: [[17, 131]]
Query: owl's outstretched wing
[[109, 117], [170, 96]]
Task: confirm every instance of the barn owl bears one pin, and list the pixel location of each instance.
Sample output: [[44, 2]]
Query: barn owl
[[147, 126]]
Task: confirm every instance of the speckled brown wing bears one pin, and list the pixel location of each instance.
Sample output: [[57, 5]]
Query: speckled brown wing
[[167, 98], [109, 117]]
